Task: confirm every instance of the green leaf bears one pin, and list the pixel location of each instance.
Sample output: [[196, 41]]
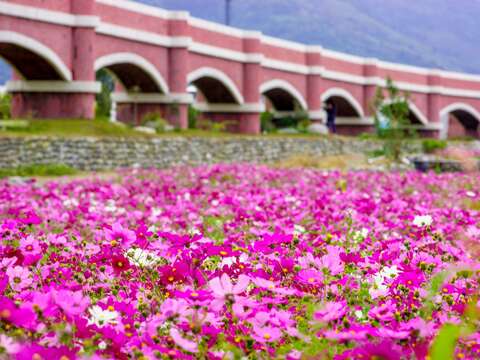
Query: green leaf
[[443, 347]]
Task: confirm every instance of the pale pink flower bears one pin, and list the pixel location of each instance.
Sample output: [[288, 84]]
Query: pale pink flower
[[222, 286], [266, 334], [72, 303], [185, 344], [19, 278], [331, 311], [9, 345], [30, 246]]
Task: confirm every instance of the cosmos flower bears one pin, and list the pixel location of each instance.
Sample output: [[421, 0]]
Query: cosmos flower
[[19, 278], [422, 220], [101, 317]]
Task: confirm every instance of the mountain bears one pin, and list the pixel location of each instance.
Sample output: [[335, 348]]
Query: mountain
[[433, 33]]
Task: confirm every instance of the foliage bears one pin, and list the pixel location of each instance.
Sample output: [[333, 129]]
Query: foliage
[[103, 99], [291, 121], [266, 122], [303, 125], [193, 115], [5, 106], [215, 126], [38, 170], [392, 118], [155, 121], [431, 145]]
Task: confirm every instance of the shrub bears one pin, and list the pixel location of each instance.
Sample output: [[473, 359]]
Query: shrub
[[431, 145], [266, 121], [103, 99], [303, 125], [291, 121], [192, 117], [155, 121], [5, 106]]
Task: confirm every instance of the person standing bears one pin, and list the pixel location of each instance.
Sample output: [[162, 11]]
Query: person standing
[[331, 110]]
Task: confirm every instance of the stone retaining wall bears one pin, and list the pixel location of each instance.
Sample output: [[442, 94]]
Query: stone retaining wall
[[111, 153]]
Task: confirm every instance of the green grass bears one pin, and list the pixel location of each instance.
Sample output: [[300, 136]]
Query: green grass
[[72, 128], [104, 128], [38, 170]]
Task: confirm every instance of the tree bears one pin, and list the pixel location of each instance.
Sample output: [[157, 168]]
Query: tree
[[392, 118], [104, 101]]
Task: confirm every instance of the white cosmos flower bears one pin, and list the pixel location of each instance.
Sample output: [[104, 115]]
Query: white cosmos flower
[[143, 258], [358, 314], [298, 230], [470, 194], [102, 317], [380, 288], [422, 221], [360, 235]]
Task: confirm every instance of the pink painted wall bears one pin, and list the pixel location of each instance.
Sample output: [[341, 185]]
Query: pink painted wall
[[55, 37], [57, 5], [216, 39], [132, 20]]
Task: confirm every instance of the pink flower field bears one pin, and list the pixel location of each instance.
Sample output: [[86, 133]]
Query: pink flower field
[[241, 262]]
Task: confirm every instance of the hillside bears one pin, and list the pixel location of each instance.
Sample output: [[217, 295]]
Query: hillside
[[434, 33]]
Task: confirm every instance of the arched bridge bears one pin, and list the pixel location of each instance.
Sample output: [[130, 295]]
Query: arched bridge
[[56, 47]]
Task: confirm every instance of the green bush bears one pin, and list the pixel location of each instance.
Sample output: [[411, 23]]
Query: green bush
[[303, 125], [431, 145], [155, 121], [266, 122], [38, 170], [192, 117], [292, 121], [5, 106], [103, 99]]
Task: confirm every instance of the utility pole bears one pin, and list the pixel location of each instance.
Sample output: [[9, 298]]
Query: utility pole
[[227, 11]]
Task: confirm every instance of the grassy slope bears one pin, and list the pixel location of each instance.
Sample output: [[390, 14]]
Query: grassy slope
[[103, 128]]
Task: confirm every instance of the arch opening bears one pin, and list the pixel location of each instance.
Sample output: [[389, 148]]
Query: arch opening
[[133, 72], [347, 106], [214, 87], [282, 96], [30, 59], [459, 121], [344, 107], [281, 100]]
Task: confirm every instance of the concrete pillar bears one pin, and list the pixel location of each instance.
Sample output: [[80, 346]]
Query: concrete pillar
[[315, 86], [370, 70], [178, 67], [252, 78]]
